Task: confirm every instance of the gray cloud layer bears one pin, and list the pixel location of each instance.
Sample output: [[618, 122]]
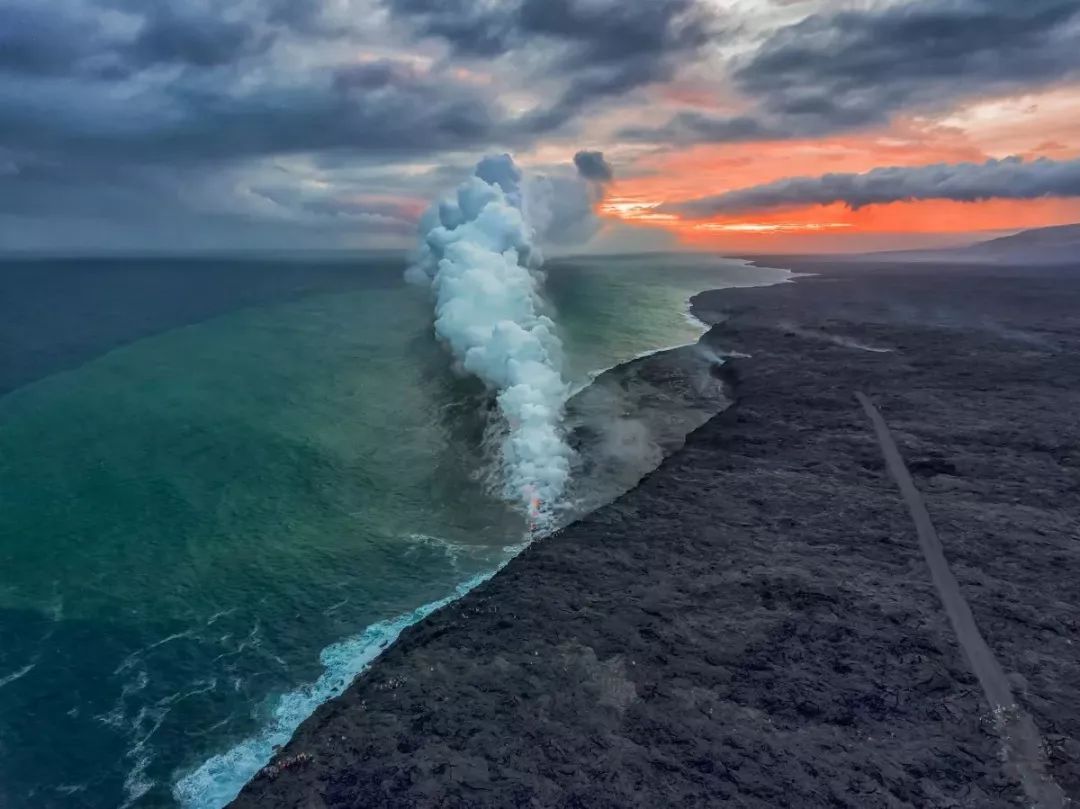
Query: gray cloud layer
[[157, 114], [179, 84], [151, 117], [835, 71], [296, 121], [603, 47], [1011, 178]]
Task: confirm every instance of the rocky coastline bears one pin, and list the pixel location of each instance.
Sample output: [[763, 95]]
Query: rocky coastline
[[754, 625]]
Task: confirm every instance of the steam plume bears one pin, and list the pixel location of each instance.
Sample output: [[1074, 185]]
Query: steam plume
[[479, 255]]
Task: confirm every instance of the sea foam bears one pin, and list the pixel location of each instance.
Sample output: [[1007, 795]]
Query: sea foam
[[220, 779]]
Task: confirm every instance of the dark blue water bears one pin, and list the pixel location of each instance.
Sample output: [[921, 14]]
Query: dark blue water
[[58, 313]]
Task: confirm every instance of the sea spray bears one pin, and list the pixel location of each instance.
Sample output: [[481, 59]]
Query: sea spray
[[480, 256]]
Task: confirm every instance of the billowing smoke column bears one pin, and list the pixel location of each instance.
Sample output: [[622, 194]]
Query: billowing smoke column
[[479, 254]]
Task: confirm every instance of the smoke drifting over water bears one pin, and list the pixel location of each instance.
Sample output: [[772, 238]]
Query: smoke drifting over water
[[480, 254]]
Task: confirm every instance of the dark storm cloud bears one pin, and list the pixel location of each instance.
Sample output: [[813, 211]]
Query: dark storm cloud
[[376, 106], [95, 86], [591, 83], [1011, 178], [307, 17], [834, 71], [856, 67], [376, 75], [471, 28], [70, 40], [36, 40], [335, 205], [129, 110], [55, 185], [68, 204], [605, 47], [171, 35], [602, 31], [593, 166], [693, 127], [617, 31]]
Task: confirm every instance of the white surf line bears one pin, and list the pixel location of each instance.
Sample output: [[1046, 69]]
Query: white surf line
[[592, 376], [219, 779], [16, 675], [692, 321], [1021, 744]]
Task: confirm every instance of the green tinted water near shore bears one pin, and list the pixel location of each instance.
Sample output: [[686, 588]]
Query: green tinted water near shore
[[188, 519]]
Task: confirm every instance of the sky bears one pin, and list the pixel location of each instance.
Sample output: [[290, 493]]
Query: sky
[[741, 125]]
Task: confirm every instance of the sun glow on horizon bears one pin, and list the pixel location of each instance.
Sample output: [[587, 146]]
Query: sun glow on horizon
[[633, 209], [643, 212], [768, 227], [1032, 124]]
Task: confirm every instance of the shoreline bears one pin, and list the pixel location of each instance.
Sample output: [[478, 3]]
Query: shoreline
[[219, 778], [624, 633]]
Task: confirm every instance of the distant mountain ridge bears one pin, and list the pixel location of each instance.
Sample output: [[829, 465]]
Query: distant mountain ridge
[[1059, 244], [1060, 236]]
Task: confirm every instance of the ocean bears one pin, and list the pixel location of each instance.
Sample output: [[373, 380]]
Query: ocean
[[227, 483]]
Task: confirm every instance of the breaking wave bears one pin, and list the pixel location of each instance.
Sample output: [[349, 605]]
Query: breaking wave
[[220, 779]]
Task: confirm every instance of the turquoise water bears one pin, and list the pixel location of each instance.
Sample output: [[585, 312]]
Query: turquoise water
[[206, 530]]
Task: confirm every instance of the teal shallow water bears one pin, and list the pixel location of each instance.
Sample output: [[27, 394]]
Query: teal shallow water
[[190, 519]]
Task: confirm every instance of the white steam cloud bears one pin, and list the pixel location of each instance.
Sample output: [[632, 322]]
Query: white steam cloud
[[480, 255]]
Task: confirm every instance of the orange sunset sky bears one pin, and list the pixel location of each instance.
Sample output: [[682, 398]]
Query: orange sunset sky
[[1030, 125]]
